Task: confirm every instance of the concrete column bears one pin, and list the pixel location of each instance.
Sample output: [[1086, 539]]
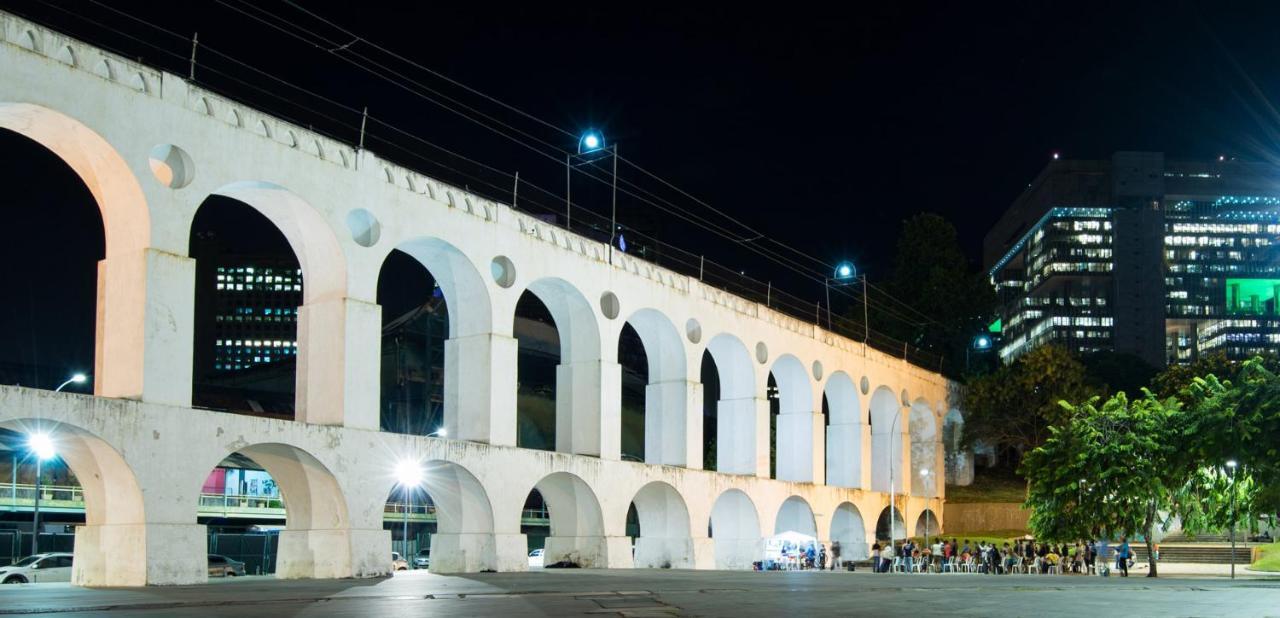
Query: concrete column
[[588, 409], [845, 455], [145, 327], [704, 553], [511, 552], [140, 555], [370, 549], [480, 388], [588, 552], [339, 356], [801, 447], [673, 433], [864, 471], [467, 552], [315, 554], [742, 436]]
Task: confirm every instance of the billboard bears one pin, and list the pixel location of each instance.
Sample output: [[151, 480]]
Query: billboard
[[1252, 296]]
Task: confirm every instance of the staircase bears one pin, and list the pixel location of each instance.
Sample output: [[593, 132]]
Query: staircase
[[1196, 553]]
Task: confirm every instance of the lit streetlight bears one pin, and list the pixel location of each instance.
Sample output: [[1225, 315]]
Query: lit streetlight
[[1231, 464], [439, 433], [846, 273], [78, 378], [409, 476], [40, 445]]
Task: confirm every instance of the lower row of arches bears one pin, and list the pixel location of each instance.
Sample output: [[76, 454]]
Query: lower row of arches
[[658, 531]]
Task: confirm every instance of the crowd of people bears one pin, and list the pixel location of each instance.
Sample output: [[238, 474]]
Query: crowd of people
[[1023, 556]]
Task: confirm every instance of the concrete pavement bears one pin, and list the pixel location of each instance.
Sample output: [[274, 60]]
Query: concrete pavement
[[662, 593]]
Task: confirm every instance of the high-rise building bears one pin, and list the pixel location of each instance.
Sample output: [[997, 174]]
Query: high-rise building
[[255, 312], [1166, 260]]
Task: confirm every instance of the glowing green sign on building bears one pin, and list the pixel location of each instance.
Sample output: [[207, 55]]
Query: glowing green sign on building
[[1252, 296]]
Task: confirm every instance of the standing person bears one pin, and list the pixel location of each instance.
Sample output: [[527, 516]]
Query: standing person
[[1122, 556], [822, 558], [877, 564], [835, 555]]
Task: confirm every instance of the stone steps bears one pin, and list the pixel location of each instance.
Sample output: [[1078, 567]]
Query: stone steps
[[1195, 554]]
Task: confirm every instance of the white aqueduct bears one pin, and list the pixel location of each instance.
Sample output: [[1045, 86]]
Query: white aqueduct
[[151, 147]]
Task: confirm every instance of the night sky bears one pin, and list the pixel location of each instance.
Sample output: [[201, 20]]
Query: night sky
[[823, 128]]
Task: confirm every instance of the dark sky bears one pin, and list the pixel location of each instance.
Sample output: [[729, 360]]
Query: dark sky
[[822, 127]]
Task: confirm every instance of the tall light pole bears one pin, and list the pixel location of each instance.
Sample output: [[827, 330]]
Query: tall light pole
[[592, 142], [78, 378], [924, 472], [889, 456], [409, 476], [42, 447], [1231, 464], [847, 274]]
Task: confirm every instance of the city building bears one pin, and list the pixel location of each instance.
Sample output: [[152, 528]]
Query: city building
[[1163, 259]]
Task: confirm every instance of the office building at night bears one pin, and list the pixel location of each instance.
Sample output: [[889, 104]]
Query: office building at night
[[1166, 260]]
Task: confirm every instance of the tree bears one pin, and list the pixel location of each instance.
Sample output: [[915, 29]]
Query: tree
[[1013, 407], [1113, 468], [951, 302]]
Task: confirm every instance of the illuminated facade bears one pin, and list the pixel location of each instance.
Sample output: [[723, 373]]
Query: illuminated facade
[[255, 312], [1164, 260]]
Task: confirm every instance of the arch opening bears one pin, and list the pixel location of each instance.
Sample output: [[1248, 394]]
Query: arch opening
[[848, 529], [576, 522], [795, 515], [883, 531], [658, 367], [664, 540], [586, 422], [737, 446], [440, 508], [845, 434], [735, 531], [888, 431], [84, 466], [926, 451], [959, 462], [796, 446], [927, 525]]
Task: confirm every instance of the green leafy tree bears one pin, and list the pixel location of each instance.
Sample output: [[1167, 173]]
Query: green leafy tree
[[1013, 407], [1113, 468]]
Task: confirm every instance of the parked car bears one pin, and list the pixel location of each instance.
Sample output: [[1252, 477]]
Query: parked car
[[423, 559], [222, 566], [398, 563], [536, 557], [40, 568]]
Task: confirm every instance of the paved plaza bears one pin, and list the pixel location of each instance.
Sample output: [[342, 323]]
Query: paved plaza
[[664, 593]]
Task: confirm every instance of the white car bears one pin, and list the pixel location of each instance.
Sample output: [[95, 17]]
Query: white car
[[535, 558], [41, 568]]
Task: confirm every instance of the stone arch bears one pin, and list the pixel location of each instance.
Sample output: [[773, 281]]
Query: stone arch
[[796, 419], [111, 548], [315, 542], [737, 445], [959, 463], [577, 522], [887, 434], [585, 423], [665, 540], [313, 241], [735, 530], [848, 528], [796, 515], [926, 450], [884, 532], [125, 215], [468, 309], [845, 435], [666, 403], [927, 524], [464, 537]]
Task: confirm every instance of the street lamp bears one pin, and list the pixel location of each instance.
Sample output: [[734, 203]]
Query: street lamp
[[846, 273], [590, 143], [924, 472], [78, 378], [409, 476], [1231, 464], [981, 343], [441, 432], [41, 445]]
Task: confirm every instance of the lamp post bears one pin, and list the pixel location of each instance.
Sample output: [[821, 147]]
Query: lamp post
[[889, 457], [409, 475], [924, 472], [439, 433], [78, 378], [1231, 464], [42, 447], [847, 274], [981, 343], [592, 142]]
